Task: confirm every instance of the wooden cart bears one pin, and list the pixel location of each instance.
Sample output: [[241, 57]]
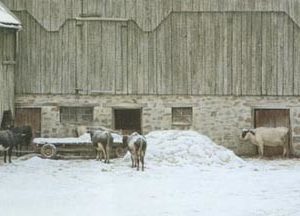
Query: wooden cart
[[72, 148]]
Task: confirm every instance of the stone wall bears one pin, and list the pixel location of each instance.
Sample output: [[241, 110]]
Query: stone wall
[[220, 118]]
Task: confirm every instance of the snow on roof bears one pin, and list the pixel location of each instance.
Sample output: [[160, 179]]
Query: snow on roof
[[8, 19]]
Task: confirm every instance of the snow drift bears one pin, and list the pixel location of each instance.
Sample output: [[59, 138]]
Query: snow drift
[[174, 147]]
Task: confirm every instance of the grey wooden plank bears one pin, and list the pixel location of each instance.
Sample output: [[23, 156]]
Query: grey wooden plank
[[176, 5], [199, 67], [210, 68], [288, 56], [9, 4], [280, 54], [54, 8], [186, 5], [53, 38], [108, 56], [94, 56], [77, 8], [206, 50], [191, 45], [60, 53], [38, 52], [142, 62], [296, 61], [164, 57], [79, 54], [141, 15], [65, 59], [83, 77], [72, 56], [266, 54], [84, 7], [237, 54], [131, 9], [1, 73], [30, 70], [25, 55], [119, 76], [99, 34], [179, 54], [124, 32], [109, 8], [152, 68], [272, 84], [91, 6], [194, 53], [20, 5], [228, 51], [218, 65], [132, 58], [2, 102], [19, 54], [246, 54], [256, 53]]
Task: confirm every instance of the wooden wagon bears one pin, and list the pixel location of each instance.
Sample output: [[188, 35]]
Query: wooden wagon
[[72, 148]]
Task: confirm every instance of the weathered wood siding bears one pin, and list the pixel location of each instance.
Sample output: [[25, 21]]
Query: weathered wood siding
[[195, 47], [7, 64]]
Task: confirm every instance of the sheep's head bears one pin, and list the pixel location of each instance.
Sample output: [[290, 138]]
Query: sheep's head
[[246, 133]]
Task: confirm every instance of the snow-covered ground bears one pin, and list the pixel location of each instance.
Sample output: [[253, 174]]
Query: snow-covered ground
[[185, 174]]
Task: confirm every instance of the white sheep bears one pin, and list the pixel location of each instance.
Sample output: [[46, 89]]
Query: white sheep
[[265, 136]]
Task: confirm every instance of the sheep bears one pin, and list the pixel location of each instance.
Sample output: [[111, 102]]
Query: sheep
[[264, 136], [137, 146]]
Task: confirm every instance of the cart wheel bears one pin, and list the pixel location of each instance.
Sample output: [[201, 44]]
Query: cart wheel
[[48, 150], [120, 152]]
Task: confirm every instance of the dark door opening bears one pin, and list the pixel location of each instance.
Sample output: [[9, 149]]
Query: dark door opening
[[272, 118], [29, 116], [128, 120], [7, 120]]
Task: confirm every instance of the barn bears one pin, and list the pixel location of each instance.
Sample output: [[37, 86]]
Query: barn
[[214, 66], [9, 26]]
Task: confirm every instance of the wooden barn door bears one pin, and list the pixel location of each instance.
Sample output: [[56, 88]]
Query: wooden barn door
[[29, 116], [272, 118]]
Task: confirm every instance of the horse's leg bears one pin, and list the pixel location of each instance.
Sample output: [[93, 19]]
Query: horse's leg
[[142, 161], [132, 161], [9, 154], [5, 156], [107, 152]]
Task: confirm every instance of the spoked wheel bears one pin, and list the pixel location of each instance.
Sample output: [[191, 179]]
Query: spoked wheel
[[48, 150], [120, 152]]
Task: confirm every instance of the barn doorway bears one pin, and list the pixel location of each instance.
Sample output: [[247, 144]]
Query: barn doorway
[[272, 118], [128, 120], [29, 116], [7, 120]]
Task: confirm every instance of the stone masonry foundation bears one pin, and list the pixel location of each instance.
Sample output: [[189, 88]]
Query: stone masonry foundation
[[219, 117]]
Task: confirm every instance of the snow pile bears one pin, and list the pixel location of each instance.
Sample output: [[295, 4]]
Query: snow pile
[[173, 147]]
